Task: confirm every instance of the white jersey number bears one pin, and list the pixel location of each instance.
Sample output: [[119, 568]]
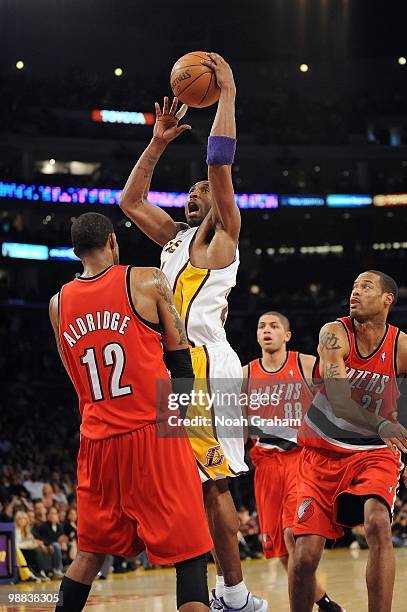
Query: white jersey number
[[114, 357]]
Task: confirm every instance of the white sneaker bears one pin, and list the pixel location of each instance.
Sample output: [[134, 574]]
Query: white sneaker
[[57, 573], [253, 604], [44, 576], [33, 577], [215, 602]]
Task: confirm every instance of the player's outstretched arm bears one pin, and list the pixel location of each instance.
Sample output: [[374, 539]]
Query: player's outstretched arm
[[221, 148], [333, 348], [151, 219]]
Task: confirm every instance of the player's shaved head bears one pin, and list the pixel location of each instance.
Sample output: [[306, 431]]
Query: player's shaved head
[[282, 318], [90, 232]]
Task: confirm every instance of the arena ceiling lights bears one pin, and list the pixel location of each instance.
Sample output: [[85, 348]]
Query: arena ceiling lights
[[75, 168]]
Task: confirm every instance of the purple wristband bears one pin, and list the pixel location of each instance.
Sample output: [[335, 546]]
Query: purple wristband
[[221, 151]]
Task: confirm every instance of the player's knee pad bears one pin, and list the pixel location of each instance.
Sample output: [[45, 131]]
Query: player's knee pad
[[192, 581]]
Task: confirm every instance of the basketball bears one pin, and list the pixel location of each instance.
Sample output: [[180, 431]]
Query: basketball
[[192, 82]]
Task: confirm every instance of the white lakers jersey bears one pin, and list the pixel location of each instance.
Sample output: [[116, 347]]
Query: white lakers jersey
[[200, 294]]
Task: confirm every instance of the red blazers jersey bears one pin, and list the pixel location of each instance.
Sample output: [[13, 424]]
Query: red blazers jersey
[[114, 357], [373, 381], [290, 397]]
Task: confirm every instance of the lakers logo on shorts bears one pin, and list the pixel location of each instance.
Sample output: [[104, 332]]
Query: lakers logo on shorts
[[214, 456], [306, 510]]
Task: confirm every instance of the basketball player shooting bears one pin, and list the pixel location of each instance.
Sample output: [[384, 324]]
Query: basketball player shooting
[[276, 452], [349, 469], [200, 259], [110, 326]]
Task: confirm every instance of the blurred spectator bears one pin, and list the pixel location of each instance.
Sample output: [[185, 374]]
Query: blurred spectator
[[30, 546], [40, 512], [52, 534], [47, 495], [58, 494], [71, 531], [34, 487], [399, 530], [248, 534], [68, 485], [62, 515]]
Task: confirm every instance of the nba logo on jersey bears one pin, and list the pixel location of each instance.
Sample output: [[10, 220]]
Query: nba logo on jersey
[[383, 357]]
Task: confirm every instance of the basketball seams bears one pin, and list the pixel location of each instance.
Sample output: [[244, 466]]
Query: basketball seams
[[192, 82], [186, 84], [204, 55], [182, 66], [207, 89]]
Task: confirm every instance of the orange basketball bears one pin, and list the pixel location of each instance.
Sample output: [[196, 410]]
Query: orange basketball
[[192, 82]]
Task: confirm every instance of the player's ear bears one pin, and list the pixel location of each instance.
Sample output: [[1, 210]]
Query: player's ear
[[111, 241], [288, 336], [388, 299]]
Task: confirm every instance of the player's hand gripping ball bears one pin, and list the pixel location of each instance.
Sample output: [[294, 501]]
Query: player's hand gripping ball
[[193, 82]]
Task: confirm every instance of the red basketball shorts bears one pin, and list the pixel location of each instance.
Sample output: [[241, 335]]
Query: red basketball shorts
[[333, 487], [276, 496], [138, 491]]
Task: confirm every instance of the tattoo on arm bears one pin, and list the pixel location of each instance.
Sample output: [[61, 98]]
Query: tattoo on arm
[[144, 169], [163, 288], [330, 341], [331, 371], [151, 162]]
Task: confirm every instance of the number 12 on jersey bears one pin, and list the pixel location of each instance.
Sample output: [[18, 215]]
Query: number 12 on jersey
[[113, 357]]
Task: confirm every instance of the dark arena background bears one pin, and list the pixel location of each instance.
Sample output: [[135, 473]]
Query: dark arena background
[[321, 178]]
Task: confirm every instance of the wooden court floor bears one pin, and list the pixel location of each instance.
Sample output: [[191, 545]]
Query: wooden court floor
[[342, 572]]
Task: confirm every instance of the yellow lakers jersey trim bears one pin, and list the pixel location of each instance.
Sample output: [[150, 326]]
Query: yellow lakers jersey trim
[[200, 293], [187, 286], [203, 438]]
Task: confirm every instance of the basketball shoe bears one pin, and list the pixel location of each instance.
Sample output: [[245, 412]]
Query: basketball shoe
[[253, 604]]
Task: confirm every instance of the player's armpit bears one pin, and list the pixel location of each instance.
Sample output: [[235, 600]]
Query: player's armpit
[[173, 329]]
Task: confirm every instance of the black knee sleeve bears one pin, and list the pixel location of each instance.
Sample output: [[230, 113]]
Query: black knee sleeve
[[192, 581]]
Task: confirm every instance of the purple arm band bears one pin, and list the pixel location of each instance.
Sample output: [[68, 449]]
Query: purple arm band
[[221, 151]]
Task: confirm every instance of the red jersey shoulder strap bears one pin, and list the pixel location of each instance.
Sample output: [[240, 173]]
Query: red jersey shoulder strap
[[350, 332], [156, 327], [393, 334], [296, 356], [253, 369]]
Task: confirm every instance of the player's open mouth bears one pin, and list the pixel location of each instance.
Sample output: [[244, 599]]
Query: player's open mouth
[[354, 302], [193, 207]]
